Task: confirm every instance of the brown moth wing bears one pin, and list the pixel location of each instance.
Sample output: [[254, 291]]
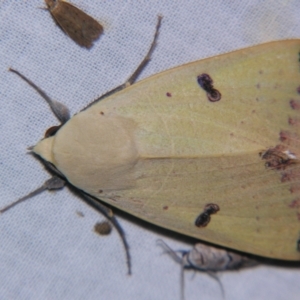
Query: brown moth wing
[[81, 27]]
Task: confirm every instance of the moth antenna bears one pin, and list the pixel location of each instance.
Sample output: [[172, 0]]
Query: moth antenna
[[138, 70], [60, 111], [53, 183], [147, 58], [107, 212]]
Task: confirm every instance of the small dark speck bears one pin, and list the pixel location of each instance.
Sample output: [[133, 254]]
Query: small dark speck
[[284, 136], [79, 213], [295, 104], [231, 134], [100, 191], [261, 72], [169, 94], [295, 203], [295, 189], [253, 111], [258, 86], [298, 89], [165, 207], [298, 216], [101, 113], [293, 121], [257, 218]]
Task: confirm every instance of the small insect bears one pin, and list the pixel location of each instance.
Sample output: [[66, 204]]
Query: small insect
[[80, 27], [207, 259], [103, 228]]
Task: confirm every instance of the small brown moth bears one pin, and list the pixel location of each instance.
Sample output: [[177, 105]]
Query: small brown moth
[[79, 26]]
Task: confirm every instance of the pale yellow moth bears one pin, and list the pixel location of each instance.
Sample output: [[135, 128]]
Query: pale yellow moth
[[163, 158], [216, 139]]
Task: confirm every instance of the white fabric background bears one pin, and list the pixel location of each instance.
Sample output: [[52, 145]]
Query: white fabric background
[[46, 250]]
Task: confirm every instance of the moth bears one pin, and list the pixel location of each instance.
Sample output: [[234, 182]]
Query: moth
[[79, 26], [164, 149]]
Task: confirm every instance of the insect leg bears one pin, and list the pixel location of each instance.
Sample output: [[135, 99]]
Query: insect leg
[[53, 183], [107, 212]]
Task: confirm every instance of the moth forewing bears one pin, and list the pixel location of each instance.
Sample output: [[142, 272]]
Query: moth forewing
[[79, 26], [162, 150]]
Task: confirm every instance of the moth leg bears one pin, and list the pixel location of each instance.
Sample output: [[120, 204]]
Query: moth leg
[[61, 112], [169, 251], [138, 70], [107, 212], [216, 277], [54, 183], [187, 261], [177, 259]]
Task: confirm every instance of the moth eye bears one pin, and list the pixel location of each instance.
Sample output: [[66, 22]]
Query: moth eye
[[51, 131]]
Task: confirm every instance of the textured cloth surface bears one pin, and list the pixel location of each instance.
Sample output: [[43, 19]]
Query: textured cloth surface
[[47, 251]]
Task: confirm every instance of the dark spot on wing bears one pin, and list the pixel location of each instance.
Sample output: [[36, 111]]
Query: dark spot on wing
[[295, 203], [276, 158], [204, 218], [295, 104], [206, 83]]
